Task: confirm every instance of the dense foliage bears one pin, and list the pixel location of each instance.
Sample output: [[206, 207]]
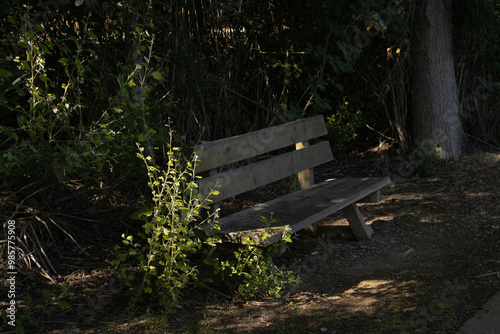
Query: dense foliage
[[83, 81]]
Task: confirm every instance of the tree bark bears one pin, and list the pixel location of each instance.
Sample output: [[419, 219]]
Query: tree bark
[[435, 114]]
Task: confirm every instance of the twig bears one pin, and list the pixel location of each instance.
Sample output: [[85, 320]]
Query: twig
[[44, 224], [71, 266], [43, 251], [218, 292], [69, 235], [18, 191], [30, 258], [484, 142], [82, 212], [490, 274], [279, 116], [380, 133], [22, 201]]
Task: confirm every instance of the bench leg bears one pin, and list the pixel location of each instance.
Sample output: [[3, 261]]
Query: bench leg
[[372, 198], [359, 228], [313, 228], [282, 247]]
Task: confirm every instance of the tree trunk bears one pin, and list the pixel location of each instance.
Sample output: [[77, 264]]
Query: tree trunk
[[435, 109]]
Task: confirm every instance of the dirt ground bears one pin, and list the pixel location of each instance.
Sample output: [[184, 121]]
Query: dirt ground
[[433, 261]]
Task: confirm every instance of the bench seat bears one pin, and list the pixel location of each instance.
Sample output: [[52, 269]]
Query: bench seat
[[302, 208]]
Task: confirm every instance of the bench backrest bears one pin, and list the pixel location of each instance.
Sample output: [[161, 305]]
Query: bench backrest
[[234, 181]]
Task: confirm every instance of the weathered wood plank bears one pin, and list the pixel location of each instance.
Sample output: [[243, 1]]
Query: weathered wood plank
[[229, 150], [240, 180], [298, 209]]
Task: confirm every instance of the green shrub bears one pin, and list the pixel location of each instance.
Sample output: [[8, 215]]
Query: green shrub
[[426, 157], [343, 125], [167, 240], [251, 271], [66, 113]]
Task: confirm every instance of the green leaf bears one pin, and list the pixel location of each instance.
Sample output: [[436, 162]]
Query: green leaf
[[48, 294], [63, 305], [144, 212], [20, 91], [19, 328], [157, 75], [33, 321], [29, 301], [5, 73]]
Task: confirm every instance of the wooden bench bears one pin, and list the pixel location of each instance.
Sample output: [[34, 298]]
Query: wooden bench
[[226, 163]]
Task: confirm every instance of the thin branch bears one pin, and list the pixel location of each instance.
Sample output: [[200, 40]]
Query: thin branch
[[380, 133], [65, 232], [490, 274], [43, 251], [76, 217], [22, 201], [218, 292], [281, 118], [18, 191], [484, 142]]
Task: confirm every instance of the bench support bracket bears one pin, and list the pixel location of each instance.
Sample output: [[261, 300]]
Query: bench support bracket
[[359, 228]]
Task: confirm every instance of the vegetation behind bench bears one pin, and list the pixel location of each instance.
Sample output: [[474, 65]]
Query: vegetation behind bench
[[242, 163]]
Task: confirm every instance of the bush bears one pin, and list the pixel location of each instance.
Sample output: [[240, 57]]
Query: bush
[[168, 238], [343, 126], [251, 272]]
